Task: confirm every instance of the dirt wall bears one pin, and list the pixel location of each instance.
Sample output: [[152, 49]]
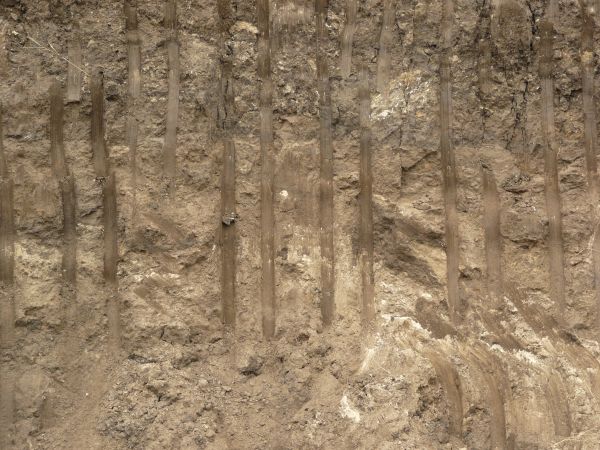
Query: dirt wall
[[511, 370]]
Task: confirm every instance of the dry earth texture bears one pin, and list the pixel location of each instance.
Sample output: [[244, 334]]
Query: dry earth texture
[[294, 224]]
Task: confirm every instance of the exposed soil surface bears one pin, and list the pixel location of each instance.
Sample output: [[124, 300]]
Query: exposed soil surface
[[141, 358]]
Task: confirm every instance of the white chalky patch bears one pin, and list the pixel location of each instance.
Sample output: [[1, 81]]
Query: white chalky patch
[[416, 325], [528, 357], [346, 410], [498, 348], [383, 114], [367, 360]]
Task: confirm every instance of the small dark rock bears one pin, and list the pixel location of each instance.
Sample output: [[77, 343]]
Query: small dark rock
[[252, 366]]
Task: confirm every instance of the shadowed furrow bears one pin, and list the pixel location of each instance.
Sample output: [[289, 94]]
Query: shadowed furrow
[[555, 243], [348, 38], [326, 169], [448, 164], [366, 200], [228, 206], [267, 169]]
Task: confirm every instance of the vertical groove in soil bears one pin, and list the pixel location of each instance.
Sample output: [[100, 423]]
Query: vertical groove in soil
[[448, 164], [326, 169], [267, 169], [552, 190], [366, 200]]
